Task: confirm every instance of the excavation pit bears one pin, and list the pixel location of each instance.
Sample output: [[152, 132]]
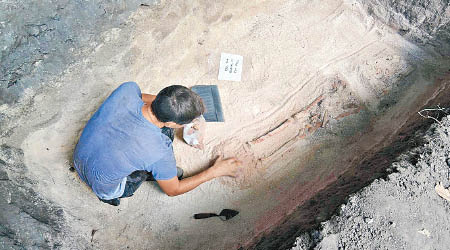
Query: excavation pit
[[328, 98]]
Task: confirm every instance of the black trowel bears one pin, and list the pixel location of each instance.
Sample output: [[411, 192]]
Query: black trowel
[[224, 215]]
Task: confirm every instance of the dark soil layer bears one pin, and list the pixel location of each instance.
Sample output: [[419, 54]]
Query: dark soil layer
[[40, 39], [23, 212]]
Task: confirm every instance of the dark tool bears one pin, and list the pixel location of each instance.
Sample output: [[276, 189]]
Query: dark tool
[[226, 214], [211, 99]]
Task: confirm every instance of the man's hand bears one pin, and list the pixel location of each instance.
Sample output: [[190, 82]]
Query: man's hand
[[225, 167]]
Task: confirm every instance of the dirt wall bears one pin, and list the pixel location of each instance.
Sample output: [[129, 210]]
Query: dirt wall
[[401, 211], [427, 25], [40, 40]]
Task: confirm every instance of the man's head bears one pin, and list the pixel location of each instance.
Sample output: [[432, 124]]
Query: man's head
[[177, 105]]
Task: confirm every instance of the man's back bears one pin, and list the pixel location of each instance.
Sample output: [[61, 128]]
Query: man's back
[[118, 140]]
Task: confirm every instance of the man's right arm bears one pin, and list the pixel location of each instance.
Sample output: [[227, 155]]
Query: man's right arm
[[221, 167]]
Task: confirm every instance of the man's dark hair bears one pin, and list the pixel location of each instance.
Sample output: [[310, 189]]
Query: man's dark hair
[[177, 104]]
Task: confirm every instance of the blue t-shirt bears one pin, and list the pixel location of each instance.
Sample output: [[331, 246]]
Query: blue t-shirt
[[117, 141]]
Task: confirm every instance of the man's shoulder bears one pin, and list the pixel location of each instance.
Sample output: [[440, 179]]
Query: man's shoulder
[[128, 87], [127, 95]]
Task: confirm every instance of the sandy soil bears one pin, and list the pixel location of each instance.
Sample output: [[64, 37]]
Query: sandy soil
[[309, 69], [402, 212]]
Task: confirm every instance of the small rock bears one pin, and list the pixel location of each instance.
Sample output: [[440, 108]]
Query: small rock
[[425, 232], [368, 220], [33, 31]]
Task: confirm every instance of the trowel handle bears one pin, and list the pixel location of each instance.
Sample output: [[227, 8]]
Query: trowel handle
[[204, 215]]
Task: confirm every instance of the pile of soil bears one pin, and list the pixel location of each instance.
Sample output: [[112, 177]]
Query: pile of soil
[[402, 211]]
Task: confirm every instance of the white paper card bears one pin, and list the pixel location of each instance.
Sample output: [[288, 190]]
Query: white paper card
[[230, 67]]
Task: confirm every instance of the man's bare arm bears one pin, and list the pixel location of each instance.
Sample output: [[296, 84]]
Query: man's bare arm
[[147, 98], [174, 187]]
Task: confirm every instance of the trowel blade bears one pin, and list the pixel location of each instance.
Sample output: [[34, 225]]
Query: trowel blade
[[228, 213]]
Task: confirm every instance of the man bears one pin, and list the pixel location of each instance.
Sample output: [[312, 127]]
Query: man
[[129, 140]]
